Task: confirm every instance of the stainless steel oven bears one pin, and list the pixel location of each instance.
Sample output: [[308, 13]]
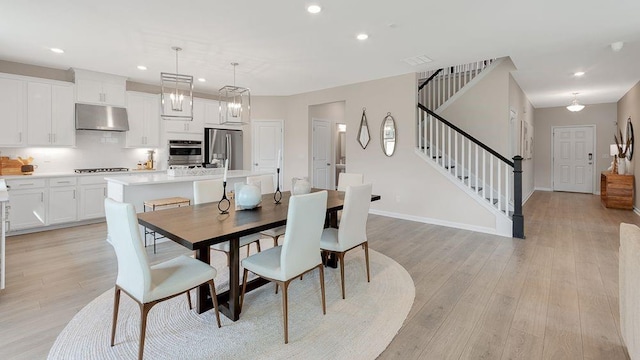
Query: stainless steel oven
[[185, 152]]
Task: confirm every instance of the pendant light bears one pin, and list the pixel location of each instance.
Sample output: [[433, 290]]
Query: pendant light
[[180, 88], [575, 105], [235, 102]]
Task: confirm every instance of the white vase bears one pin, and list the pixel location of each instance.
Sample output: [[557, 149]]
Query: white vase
[[247, 196], [622, 166], [300, 186]]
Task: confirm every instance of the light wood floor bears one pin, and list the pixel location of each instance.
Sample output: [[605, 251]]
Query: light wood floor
[[551, 296]]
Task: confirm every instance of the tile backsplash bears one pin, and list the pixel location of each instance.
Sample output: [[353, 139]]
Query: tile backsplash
[[93, 149]]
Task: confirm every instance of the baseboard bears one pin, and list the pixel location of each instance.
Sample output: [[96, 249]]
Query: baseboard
[[432, 221], [636, 210], [542, 188], [524, 200], [54, 227]]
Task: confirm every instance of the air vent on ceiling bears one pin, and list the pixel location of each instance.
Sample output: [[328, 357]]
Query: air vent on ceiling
[[417, 60]]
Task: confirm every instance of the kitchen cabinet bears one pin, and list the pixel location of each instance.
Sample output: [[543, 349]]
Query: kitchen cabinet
[[93, 191], [206, 111], [144, 120], [50, 114], [27, 201], [62, 200], [190, 127], [99, 88], [13, 105]]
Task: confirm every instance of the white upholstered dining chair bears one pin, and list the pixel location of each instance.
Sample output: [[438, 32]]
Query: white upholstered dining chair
[[267, 187], [149, 285], [206, 191], [352, 231], [299, 254], [348, 179]]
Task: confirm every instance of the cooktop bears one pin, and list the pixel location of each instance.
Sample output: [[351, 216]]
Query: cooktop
[[99, 170]]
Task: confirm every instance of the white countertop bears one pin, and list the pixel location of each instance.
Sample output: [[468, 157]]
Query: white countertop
[[4, 194], [72, 173], [150, 179]]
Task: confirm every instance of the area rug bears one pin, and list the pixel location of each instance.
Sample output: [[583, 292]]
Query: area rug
[[359, 327]]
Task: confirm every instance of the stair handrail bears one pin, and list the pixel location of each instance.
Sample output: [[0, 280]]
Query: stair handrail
[[465, 134], [430, 78]]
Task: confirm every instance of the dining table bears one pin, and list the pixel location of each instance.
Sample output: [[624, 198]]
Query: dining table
[[197, 227]]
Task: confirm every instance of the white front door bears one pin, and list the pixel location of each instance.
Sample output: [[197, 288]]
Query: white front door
[[267, 142], [573, 159], [322, 146]]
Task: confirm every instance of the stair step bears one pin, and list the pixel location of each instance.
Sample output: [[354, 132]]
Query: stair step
[[495, 201], [465, 177], [447, 166], [438, 157], [478, 189]]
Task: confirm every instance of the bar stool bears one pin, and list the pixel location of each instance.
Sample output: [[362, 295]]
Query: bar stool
[[159, 204]]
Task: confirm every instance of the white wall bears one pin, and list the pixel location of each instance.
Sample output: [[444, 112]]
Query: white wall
[[409, 187], [629, 107], [519, 103]]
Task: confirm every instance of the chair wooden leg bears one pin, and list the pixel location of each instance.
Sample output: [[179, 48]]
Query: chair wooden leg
[[144, 311], [116, 305], [189, 299], [258, 245], [275, 240], [285, 310], [244, 287], [214, 297], [366, 257], [341, 259], [324, 304]]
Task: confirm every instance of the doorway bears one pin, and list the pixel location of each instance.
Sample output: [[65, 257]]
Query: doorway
[[322, 154], [266, 145], [573, 158]]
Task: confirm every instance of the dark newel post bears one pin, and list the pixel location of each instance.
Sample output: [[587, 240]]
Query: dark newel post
[[517, 218]]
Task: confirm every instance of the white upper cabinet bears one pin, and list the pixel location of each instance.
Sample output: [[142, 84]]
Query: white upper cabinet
[[99, 88], [13, 105], [211, 112], [50, 119], [143, 111], [196, 126]]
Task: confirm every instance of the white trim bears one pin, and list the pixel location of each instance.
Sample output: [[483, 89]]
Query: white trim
[[438, 222], [54, 227], [593, 151], [468, 86], [636, 210], [524, 200], [537, 188]]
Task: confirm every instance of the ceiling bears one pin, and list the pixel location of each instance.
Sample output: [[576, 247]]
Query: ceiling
[[284, 50]]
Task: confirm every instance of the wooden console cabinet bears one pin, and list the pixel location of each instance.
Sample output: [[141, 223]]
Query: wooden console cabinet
[[616, 191]]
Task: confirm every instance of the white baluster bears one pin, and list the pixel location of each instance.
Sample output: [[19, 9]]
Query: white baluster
[[459, 78], [449, 147], [431, 136], [499, 187], [469, 170], [455, 144], [491, 179], [484, 174], [477, 169], [506, 187]]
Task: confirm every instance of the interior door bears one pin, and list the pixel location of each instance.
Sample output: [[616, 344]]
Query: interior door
[[266, 144], [322, 146], [573, 159]]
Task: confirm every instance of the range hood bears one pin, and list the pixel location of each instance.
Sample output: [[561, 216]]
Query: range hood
[[104, 118]]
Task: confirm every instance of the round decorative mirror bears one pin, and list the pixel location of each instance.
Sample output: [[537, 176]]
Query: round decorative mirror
[[630, 139], [388, 135]]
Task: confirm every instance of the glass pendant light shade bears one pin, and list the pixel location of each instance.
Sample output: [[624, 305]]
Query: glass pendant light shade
[[178, 89], [235, 103], [575, 105]]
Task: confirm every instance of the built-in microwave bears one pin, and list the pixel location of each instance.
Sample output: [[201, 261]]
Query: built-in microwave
[[185, 152]]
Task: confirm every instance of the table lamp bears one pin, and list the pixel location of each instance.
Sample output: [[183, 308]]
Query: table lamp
[[613, 151]]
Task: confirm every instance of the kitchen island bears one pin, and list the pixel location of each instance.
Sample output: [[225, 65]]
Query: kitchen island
[[137, 189]]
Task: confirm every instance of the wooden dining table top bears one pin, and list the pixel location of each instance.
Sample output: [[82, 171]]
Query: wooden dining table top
[[199, 226]]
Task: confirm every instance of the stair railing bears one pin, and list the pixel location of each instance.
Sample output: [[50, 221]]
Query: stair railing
[[444, 83], [476, 165]]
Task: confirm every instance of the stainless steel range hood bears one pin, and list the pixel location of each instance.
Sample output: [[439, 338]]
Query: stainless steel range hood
[[104, 118]]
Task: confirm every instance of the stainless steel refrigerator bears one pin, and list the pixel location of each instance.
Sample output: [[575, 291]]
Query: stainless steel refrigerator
[[221, 144]]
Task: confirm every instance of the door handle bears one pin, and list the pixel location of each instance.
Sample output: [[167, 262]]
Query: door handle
[[256, 164], [590, 156], [328, 164]]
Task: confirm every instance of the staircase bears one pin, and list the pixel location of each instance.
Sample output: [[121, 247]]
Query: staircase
[[493, 180]]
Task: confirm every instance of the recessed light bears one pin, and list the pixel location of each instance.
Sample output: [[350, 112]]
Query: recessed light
[[57, 50], [362, 36], [578, 73], [202, 79], [314, 9], [142, 67]]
